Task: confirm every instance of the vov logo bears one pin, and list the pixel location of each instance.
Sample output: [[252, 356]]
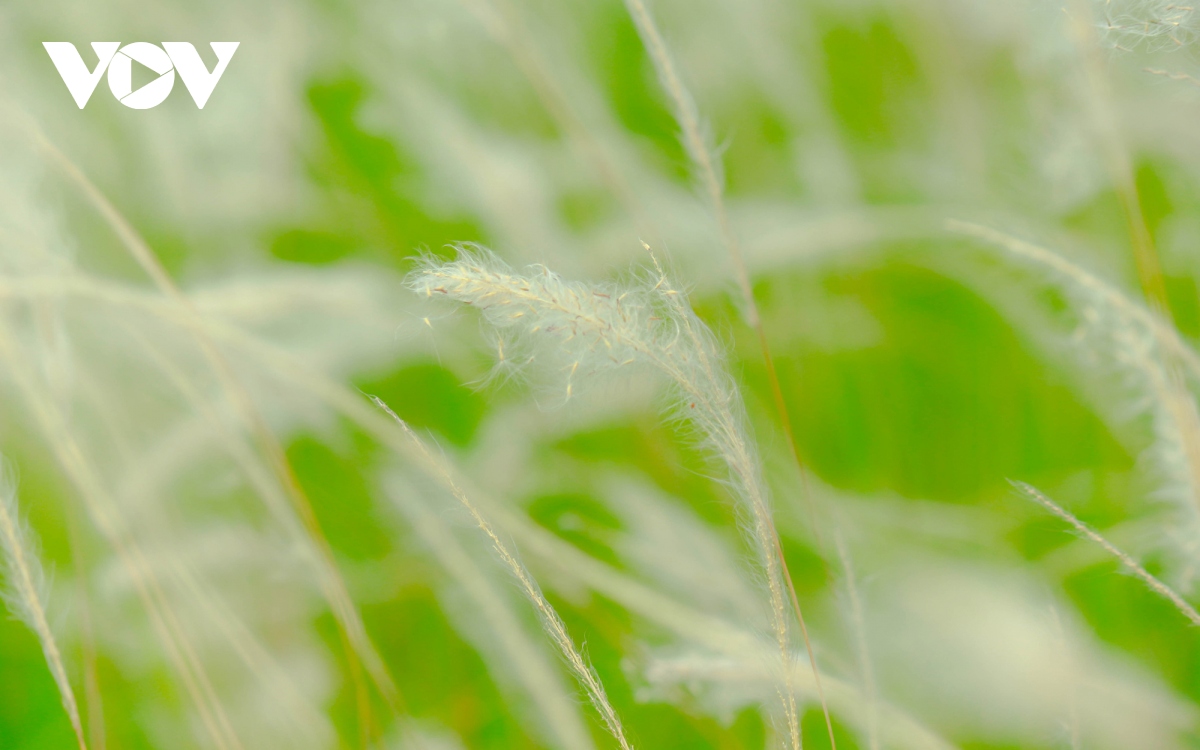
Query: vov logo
[[118, 61]]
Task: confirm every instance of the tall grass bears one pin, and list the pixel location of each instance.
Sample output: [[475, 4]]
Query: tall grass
[[592, 329], [550, 620], [240, 351], [27, 591]]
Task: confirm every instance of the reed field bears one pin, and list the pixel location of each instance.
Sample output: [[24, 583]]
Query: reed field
[[640, 374]]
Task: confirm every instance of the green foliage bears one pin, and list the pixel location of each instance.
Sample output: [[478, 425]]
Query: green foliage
[[219, 502]]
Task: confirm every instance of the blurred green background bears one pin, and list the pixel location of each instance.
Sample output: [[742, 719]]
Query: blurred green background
[[922, 371]]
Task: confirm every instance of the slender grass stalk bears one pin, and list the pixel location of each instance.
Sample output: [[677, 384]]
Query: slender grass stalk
[[746, 650], [705, 385], [103, 510], [1106, 295], [687, 623], [708, 168], [1141, 339], [1111, 141], [1155, 585], [360, 651], [866, 669], [1149, 267], [93, 697], [1174, 76], [601, 328], [553, 624], [247, 647], [528, 661], [503, 22], [26, 593]]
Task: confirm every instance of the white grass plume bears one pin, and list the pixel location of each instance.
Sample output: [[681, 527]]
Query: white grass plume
[[591, 328], [1153, 583], [582, 328], [1166, 372], [695, 142], [1125, 24], [555, 628], [709, 172], [26, 592], [689, 624]]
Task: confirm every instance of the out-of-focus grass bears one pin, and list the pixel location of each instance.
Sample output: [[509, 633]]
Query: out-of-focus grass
[[920, 373]]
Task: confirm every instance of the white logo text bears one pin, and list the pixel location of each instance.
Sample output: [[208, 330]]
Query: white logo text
[[164, 60]]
